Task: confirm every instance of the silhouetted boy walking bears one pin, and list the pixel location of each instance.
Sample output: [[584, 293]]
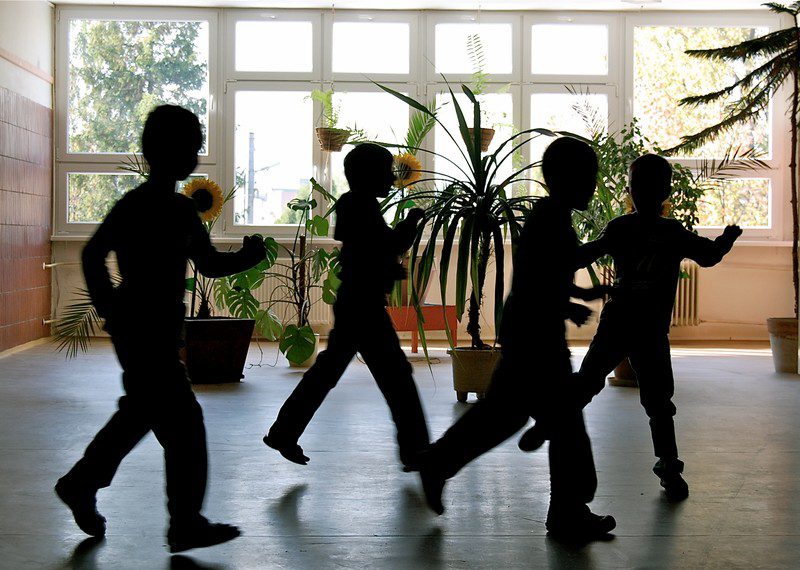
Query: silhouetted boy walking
[[153, 231], [369, 260], [647, 250], [532, 379]]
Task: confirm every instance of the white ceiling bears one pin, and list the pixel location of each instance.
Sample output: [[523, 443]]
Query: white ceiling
[[446, 4]]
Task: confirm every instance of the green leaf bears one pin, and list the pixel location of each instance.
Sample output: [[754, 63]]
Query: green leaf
[[241, 303], [298, 343], [191, 283], [269, 325], [318, 226]]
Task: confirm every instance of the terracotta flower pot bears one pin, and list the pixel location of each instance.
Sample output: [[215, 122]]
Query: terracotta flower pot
[[472, 371], [216, 349], [783, 340]]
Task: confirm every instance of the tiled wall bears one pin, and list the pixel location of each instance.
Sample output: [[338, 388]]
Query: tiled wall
[[25, 204]]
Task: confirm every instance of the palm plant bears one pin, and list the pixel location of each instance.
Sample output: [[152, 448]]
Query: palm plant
[[777, 59], [472, 211]]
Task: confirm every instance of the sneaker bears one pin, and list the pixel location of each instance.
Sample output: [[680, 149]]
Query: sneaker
[[578, 526], [290, 451], [199, 536], [83, 504], [669, 472]]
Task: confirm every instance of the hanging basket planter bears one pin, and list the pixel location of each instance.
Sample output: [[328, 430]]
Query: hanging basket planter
[[486, 137], [332, 140]]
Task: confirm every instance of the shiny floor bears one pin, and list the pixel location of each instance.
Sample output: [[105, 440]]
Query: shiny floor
[[352, 507]]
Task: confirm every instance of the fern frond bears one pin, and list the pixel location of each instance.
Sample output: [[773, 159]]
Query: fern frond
[[763, 46], [792, 9], [78, 322], [478, 58], [136, 164], [419, 126]]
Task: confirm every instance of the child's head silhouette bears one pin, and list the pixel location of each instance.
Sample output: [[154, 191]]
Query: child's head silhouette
[[171, 139], [569, 167], [368, 168], [649, 180]]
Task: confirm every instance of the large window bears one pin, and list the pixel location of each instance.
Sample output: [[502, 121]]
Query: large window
[[580, 72]]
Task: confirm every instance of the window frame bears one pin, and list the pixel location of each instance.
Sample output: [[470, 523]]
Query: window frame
[[66, 162], [422, 81], [232, 17], [778, 200]]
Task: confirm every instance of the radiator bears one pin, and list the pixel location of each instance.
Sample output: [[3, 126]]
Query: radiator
[[685, 313]]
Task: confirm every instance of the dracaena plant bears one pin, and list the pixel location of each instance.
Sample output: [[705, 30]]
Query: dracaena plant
[[304, 274], [473, 212]]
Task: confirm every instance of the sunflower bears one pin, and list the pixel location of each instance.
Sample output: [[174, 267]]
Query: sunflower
[[666, 206], [207, 196], [407, 170]]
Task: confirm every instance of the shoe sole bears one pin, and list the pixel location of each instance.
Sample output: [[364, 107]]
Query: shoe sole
[[85, 528]]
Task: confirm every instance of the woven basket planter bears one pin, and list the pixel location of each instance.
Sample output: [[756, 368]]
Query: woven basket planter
[[332, 140], [486, 137]]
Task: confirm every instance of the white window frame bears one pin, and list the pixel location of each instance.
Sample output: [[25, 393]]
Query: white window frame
[[363, 16], [473, 17], [779, 209], [66, 161], [611, 21], [232, 17], [421, 82]]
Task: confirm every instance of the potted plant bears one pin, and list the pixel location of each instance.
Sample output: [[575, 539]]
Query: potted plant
[[776, 61], [479, 80], [303, 270], [330, 137], [473, 213]]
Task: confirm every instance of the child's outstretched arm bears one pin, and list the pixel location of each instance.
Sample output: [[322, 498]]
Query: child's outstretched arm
[[591, 251], [707, 252], [213, 263]]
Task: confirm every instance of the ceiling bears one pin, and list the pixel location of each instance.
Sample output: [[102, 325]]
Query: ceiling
[[446, 4]]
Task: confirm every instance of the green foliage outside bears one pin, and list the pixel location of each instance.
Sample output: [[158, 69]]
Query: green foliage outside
[[119, 71]]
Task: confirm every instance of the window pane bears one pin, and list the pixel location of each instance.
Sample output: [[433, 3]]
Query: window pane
[[119, 71], [273, 138], [569, 49], [584, 114], [371, 47], [381, 116], [743, 201], [453, 54], [274, 46], [663, 74], [90, 196], [497, 110]]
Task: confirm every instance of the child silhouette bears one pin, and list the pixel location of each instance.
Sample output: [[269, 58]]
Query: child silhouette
[[154, 231], [647, 249], [369, 261], [532, 378]]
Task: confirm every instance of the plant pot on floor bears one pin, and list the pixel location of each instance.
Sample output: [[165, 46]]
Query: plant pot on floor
[[624, 376], [486, 137], [332, 140], [783, 341], [308, 362], [472, 371], [216, 349]]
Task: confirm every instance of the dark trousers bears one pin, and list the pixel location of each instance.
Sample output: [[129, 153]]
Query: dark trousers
[[513, 398], [158, 397], [620, 334], [365, 328]]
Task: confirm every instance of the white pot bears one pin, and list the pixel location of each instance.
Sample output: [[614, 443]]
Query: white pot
[[311, 359]]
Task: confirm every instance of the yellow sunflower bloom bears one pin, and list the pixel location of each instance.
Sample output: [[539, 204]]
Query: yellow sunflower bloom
[[207, 196], [407, 170]]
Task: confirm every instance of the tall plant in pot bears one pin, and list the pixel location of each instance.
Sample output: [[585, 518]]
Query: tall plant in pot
[[473, 213], [303, 274], [775, 60]]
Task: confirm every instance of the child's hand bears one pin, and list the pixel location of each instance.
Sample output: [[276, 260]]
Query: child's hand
[[415, 215], [254, 248], [578, 313], [731, 233]]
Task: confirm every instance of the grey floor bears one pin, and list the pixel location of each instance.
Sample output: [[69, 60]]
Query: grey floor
[[352, 507]]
